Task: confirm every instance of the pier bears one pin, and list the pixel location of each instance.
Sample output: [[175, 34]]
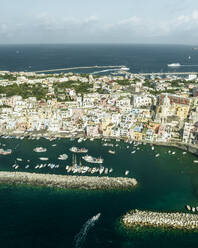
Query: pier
[[68, 182], [156, 219], [81, 67]]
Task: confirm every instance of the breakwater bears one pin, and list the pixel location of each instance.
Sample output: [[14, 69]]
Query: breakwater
[[68, 182], [157, 219]]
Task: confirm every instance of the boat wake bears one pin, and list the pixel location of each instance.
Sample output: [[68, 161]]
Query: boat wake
[[81, 236]]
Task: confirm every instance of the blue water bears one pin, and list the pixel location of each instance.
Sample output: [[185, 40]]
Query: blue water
[[139, 58], [43, 217]]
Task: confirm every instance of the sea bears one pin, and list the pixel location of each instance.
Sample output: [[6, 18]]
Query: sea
[[40, 217]]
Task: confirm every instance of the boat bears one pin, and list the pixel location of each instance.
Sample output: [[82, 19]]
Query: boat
[[184, 153], [5, 152], [80, 140], [63, 157], [126, 172], [78, 150], [174, 65], [110, 170], [173, 153], [153, 148], [19, 159], [43, 159], [188, 207], [91, 159], [124, 69], [101, 170], [195, 161], [27, 166], [40, 149], [106, 171], [157, 155], [133, 152], [111, 152]]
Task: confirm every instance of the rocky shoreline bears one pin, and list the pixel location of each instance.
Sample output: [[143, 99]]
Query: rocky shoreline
[[156, 219], [68, 182]]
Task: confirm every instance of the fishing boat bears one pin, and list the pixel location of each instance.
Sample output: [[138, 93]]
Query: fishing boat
[[91, 159], [40, 149], [78, 150], [111, 152]]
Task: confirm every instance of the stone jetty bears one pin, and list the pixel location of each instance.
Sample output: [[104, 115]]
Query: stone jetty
[[68, 182], [157, 219]]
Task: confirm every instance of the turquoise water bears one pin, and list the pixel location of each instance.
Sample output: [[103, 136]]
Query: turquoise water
[[43, 217]]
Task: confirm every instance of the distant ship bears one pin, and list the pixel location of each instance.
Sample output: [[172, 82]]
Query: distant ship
[[174, 65]]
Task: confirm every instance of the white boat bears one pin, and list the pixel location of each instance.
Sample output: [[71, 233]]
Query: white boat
[[106, 171], [110, 170], [5, 152], [173, 153], [157, 155], [174, 65], [19, 159], [91, 159], [133, 152], [111, 152], [124, 69], [43, 159], [27, 166], [184, 153], [101, 170], [63, 157], [153, 148], [80, 140], [78, 150], [40, 149], [126, 172], [195, 161]]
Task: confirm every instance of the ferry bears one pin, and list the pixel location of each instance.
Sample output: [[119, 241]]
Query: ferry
[[40, 149], [91, 159], [63, 157], [174, 65], [78, 150], [5, 152], [111, 152]]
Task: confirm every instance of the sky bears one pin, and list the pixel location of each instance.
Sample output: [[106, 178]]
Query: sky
[[99, 21]]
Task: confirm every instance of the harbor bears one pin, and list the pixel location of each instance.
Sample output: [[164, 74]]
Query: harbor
[[68, 182], [160, 219]]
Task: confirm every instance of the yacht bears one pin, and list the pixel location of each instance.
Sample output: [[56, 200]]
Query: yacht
[[40, 149], [5, 152], [91, 159], [78, 150]]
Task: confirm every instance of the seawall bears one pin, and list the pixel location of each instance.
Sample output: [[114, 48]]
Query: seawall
[[157, 219], [68, 182]]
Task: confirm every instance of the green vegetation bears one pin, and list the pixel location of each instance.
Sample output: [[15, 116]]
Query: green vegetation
[[124, 82], [79, 87], [25, 90], [9, 77]]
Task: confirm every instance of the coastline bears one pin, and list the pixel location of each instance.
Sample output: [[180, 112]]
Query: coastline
[[68, 182], [182, 221], [180, 145]]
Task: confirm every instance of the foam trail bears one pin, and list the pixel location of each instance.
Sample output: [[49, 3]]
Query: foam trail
[[81, 236]]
